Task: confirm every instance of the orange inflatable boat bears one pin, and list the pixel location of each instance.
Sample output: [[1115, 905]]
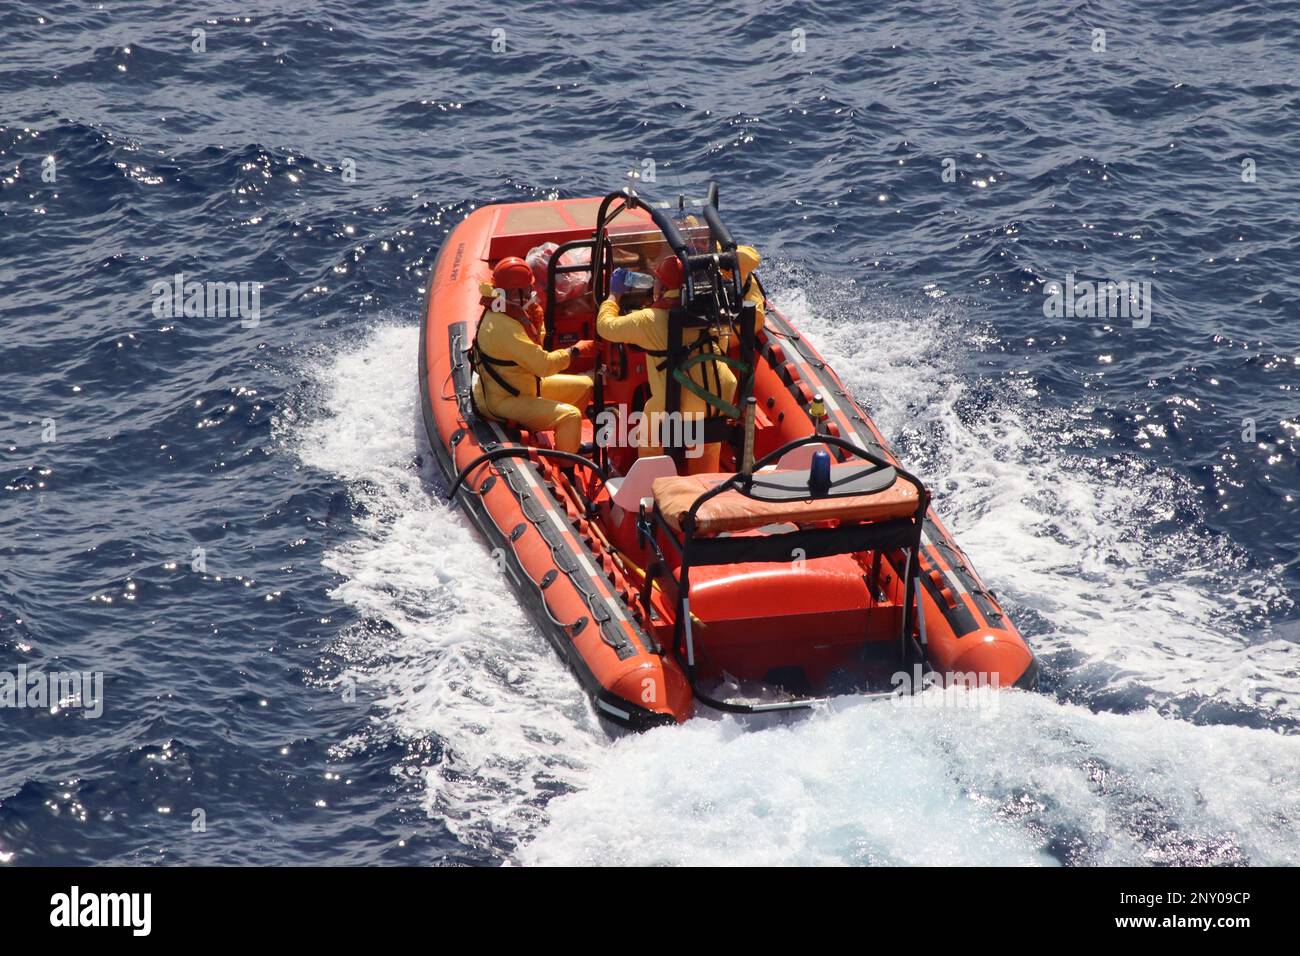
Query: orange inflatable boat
[[808, 565]]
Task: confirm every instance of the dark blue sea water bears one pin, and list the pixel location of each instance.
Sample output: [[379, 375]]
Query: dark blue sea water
[[339, 679]]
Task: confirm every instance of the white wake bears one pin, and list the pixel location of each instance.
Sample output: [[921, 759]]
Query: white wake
[[525, 771]]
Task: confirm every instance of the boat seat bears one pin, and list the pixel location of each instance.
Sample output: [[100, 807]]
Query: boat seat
[[627, 492], [783, 497], [539, 439]]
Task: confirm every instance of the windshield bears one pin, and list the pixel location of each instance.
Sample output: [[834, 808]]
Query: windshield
[[641, 247]]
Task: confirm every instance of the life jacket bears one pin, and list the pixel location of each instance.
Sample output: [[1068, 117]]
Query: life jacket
[[531, 319]]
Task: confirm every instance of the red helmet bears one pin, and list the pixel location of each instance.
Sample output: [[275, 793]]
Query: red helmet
[[512, 273], [670, 273]]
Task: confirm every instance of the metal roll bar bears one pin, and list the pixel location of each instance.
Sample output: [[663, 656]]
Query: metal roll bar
[[683, 634]]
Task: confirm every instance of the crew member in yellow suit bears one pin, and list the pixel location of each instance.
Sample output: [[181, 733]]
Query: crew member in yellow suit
[[751, 291], [648, 329], [518, 380]]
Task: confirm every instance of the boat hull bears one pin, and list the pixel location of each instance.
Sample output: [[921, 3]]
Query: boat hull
[[572, 588]]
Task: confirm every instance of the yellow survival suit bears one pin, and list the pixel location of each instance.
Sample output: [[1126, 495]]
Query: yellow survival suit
[[648, 329], [517, 378]]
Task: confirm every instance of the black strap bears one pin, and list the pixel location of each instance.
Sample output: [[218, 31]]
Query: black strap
[[714, 388], [705, 338], [485, 363], [491, 359], [655, 353]]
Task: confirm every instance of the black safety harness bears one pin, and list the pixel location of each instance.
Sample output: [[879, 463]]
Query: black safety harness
[[702, 351], [487, 365]]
